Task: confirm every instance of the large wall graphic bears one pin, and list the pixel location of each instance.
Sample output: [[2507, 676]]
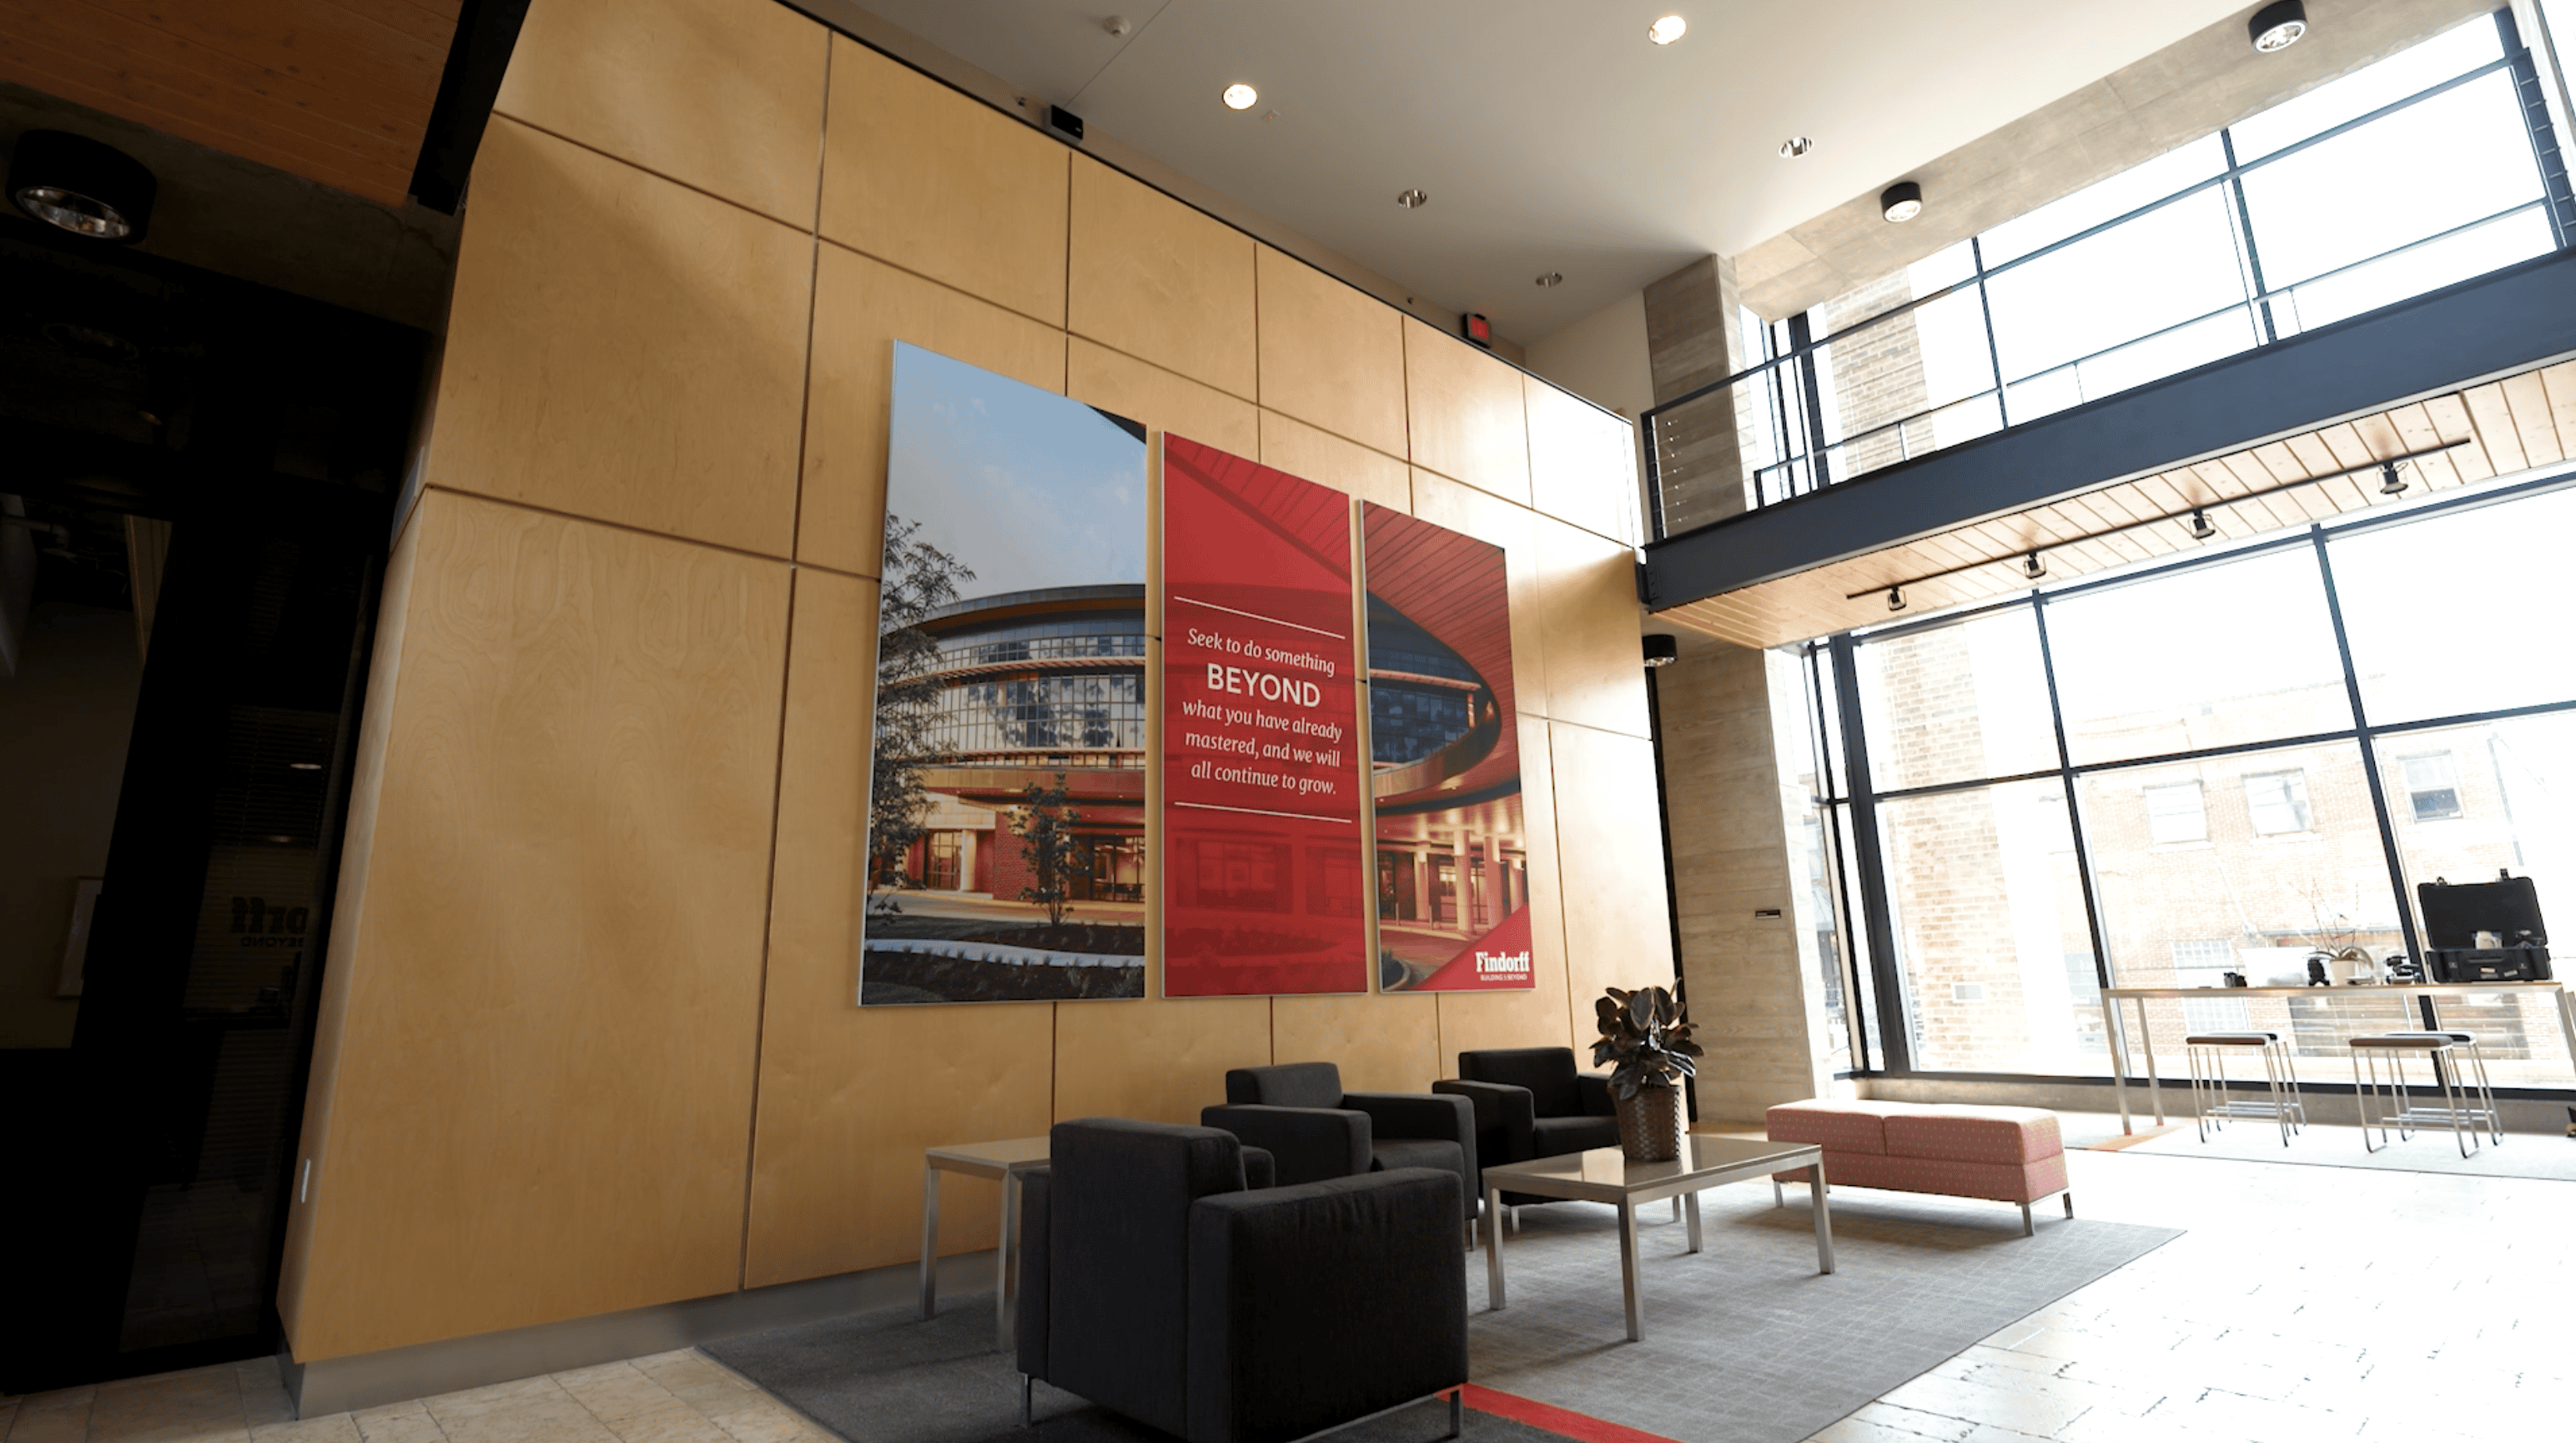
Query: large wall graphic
[[1006, 818], [1452, 845], [1265, 888]]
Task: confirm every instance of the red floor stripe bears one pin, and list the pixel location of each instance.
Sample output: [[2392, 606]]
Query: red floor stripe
[[1563, 1422]]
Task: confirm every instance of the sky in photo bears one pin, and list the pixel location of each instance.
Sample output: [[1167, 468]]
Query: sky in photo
[[1029, 489]]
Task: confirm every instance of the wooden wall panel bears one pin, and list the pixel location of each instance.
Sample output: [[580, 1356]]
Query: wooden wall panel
[[545, 1071], [1331, 356], [622, 348], [1590, 623], [1465, 414], [1155, 1059], [1328, 460], [861, 308], [1536, 1018], [1463, 508], [723, 95], [316, 88], [1098, 376], [1153, 278], [849, 1096], [922, 177], [1381, 1043], [1583, 464], [1611, 855]]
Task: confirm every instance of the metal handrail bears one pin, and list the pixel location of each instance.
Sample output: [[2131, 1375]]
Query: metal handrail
[[1817, 452]]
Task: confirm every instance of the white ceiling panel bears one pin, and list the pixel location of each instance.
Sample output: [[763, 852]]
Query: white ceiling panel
[[1551, 135]]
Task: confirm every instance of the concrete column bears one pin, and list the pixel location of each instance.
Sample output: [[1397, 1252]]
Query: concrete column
[[1694, 335], [1755, 988]]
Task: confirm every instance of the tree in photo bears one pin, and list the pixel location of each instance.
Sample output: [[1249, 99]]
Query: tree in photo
[[919, 579], [1055, 854]]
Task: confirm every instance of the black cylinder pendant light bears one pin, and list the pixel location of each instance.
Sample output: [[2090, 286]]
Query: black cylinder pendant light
[[79, 185]]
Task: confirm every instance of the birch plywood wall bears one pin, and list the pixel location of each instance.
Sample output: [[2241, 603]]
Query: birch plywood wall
[[590, 1039]]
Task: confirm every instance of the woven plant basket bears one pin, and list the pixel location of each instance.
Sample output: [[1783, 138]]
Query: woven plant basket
[[1651, 1124]]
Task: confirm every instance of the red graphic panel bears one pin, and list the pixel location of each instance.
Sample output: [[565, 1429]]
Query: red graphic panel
[[1265, 883], [1451, 850]]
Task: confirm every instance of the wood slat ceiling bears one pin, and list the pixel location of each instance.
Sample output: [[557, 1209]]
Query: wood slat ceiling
[[2515, 424], [336, 91]]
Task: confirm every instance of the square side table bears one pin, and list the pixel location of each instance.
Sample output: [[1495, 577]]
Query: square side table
[[1003, 1162]]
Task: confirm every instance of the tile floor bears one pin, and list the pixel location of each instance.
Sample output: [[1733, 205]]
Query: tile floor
[[683, 1397], [2305, 1303]]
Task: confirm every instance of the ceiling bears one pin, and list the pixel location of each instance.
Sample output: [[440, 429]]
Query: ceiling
[[2494, 429], [1550, 135], [335, 91]]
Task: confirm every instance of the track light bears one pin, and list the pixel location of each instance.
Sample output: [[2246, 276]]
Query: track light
[[2277, 27], [2034, 566], [2390, 483], [1901, 202], [1896, 598], [2201, 529]]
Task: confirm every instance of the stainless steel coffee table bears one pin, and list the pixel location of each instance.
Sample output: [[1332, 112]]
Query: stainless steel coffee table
[[1605, 1175]]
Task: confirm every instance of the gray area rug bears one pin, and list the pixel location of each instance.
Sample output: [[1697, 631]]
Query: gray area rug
[[2521, 1154], [1745, 1342]]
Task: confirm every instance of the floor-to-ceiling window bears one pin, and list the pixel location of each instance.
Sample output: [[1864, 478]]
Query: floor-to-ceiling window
[[2228, 765]]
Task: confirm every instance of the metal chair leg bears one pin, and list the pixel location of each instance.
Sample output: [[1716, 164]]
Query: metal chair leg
[[1457, 1413], [1025, 1381], [2070, 1202]]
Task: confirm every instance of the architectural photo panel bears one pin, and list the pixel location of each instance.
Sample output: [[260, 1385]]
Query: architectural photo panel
[[1006, 816], [1261, 809], [1451, 842]]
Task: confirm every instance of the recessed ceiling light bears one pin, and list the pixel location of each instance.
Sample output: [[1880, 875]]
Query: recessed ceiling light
[[1667, 30], [2278, 26], [81, 186], [1412, 199], [304, 766], [1901, 202], [1795, 146], [1240, 96], [1552, 278]]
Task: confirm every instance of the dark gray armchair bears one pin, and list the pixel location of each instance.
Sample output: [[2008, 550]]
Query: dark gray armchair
[[1154, 1283], [1531, 1102], [1298, 1111]]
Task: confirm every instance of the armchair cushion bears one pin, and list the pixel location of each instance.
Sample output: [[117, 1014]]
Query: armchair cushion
[[1308, 1144], [1504, 1118], [1290, 1084], [1287, 1339], [1594, 1087], [1556, 1136], [1548, 1073], [1118, 1325]]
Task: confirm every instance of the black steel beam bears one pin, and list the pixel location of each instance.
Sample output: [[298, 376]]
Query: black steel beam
[[2496, 325]]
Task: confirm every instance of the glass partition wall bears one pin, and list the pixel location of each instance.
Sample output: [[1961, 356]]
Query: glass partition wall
[[2431, 167], [2219, 765]]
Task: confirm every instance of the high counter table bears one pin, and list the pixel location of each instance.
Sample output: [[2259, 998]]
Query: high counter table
[[2426, 994]]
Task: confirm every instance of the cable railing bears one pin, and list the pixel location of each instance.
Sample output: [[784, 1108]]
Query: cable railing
[[1816, 412]]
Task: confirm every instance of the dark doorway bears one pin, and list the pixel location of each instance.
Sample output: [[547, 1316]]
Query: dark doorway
[[203, 472]]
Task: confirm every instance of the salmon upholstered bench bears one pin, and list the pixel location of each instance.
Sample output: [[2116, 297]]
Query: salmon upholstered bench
[[2008, 1154]]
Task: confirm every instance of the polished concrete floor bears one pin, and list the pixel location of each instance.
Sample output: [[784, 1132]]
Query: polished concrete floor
[[2304, 1303]]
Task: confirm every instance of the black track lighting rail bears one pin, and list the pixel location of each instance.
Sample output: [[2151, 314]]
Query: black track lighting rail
[[2195, 510]]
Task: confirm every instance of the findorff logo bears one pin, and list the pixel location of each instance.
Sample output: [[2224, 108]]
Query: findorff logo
[[1518, 962]]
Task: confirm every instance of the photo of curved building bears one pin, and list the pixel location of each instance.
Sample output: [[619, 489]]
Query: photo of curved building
[[1006, 849], [1444, 751]]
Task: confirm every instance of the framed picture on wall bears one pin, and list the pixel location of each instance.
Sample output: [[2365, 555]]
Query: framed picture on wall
[[1006, 815], [76, 937]]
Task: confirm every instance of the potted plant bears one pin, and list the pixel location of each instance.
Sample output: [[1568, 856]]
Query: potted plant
[[1649, 1047]]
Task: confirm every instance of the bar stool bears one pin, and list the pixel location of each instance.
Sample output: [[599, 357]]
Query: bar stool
[[2465, 1044], [2211, 1102], [2396, 1046]]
